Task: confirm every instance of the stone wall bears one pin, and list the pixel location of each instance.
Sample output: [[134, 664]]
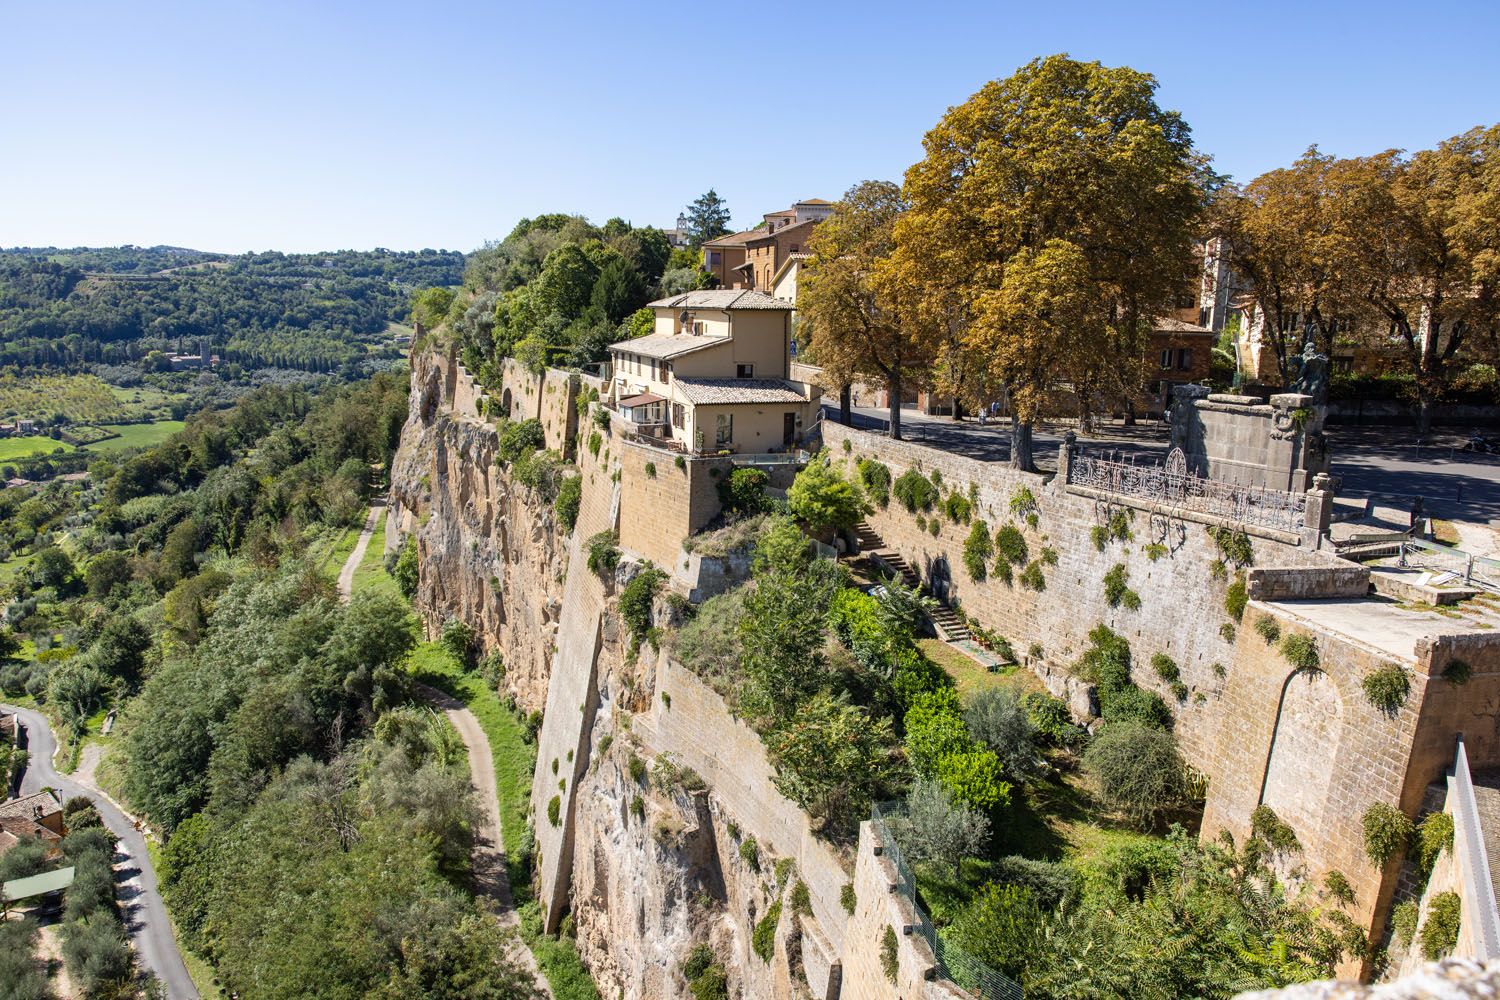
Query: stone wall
[[663, 503], [1182, 598], [549, 398], [1239, 439], [1312, 746]]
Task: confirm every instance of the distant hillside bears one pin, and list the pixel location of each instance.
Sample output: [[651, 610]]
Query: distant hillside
[[316, 312]]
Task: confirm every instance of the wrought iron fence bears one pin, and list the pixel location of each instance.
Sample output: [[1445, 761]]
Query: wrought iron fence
[[977, 977], [1173, 485]]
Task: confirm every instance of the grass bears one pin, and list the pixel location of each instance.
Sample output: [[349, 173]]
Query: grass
[[10, 567], [136, 435], [972, 676], [1444, 533], [15, 448], [514, 756], [371, 574], [514, 759], [329, 550]]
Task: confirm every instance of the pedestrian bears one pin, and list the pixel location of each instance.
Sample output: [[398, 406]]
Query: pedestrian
[[1416, 512]]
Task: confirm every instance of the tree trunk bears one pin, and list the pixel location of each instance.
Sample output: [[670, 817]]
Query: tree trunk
[[1020, 445], [1129, 412], [845, 394], [893, 392], [1425, 404], [958, 410]]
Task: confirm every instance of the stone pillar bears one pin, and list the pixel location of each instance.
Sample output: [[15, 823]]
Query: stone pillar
[[1065, 453], [1319, 509]]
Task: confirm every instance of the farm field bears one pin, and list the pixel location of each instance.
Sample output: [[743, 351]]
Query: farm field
[[24, 447], [81, 399], [136, 435]]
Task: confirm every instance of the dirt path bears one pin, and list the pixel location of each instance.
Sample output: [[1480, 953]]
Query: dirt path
[[346, 575], [489, 868]]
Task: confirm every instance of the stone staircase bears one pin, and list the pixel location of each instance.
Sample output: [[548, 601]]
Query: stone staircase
[[949, 626]]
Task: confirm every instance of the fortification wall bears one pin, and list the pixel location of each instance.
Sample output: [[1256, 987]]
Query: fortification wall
[[1181, 612], [662, 502], [548, 398]]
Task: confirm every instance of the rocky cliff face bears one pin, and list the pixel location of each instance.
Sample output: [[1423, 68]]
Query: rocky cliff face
[[490, 553], [656, 866]]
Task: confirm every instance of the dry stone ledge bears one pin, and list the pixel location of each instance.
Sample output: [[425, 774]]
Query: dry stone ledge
[[1450, 979]]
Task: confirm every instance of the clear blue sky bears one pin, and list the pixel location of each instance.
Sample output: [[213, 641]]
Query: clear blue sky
[[317, 125]]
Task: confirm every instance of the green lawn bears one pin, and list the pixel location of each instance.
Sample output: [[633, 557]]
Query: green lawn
[[331, 548], [136, 435], [10, 567], [25, 447], [971, 675]]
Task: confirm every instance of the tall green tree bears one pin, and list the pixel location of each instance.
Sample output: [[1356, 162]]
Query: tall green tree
[[1062, 196], [707, 218], [856, 328]]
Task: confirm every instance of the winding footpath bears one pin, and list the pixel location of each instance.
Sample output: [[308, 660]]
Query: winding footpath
[[140, 902], [489, 864]]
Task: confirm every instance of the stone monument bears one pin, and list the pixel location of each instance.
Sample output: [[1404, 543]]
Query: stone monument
[[1240, 439]]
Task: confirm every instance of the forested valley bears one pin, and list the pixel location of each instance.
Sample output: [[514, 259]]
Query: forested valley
[[268, 729], [316, 312]]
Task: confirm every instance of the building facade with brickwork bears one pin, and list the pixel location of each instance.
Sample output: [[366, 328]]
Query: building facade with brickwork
[[752, 258]]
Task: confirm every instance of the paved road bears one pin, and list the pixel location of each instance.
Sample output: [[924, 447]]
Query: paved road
[[141, 904]]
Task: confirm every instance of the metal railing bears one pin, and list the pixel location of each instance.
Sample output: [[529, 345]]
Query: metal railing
[[1171, 484], [1476, 571], [1478, 890], [954, 963]]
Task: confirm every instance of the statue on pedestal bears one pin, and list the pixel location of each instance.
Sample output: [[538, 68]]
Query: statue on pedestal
[[1310, 374]]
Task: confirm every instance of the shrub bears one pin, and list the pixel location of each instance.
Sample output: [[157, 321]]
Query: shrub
[[1300, 651], [1154, 550], [934, 527], [1165, 667], [750, 853], [876, 478], [1267, 628], [638, 807], [821, 497], [1011, 544], [1339, 889], [1271, 830], [744, 491], [1131, 704], [680, 462], [637, 768], [1032, 578], [635, 606], [763, 938], [520, 437], [650, 470], [1023, 504], [1440, 929], [914, 490], [1050, 720], [782, 869], [1138, 769], [1233, 546], [1434, 836], [1106, 661], [977, 551], [1457, 672], [997, 719], [957, 508], [848, 899], [96, 954], [801, 899], [1386, 687], [974, 778], [569, 497], [604, 554], [1099, 535], [698, 961], [890, 959], [1119, 527], [1404, 921], [1236, 597], [1051, 883], [1387, 831], [458, 641], [938, 828], [1003, 927], [554, 810], [595, 440], [1227, 632], [1116, 591]]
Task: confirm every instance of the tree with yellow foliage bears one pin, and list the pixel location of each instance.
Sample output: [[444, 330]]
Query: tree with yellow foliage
[[1051, 220], [857, 331]]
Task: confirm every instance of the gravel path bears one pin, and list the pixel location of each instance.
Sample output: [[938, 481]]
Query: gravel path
[[489, 867]]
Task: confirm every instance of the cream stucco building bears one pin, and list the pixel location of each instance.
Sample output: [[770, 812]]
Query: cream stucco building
[[713, 375]]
